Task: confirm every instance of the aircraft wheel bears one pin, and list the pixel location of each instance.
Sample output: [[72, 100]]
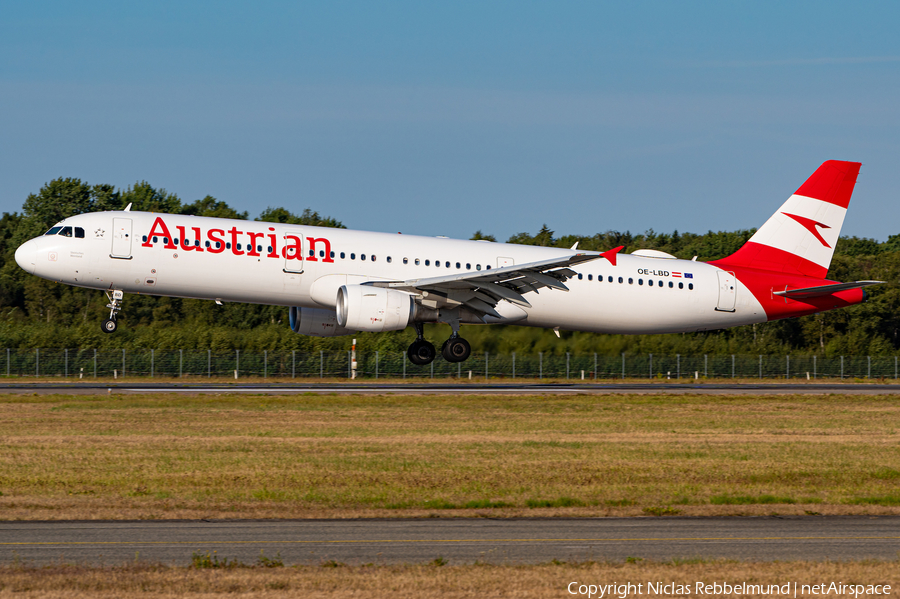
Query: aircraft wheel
[[421, 352], [456, 350], [109, 325]]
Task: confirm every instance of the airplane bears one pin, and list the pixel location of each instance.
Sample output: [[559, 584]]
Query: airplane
[[339, 281]]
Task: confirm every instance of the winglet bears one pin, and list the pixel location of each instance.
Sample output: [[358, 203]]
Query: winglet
[[611, 254]]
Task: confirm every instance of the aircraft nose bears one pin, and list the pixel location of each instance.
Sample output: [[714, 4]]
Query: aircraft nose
[[26, 256]]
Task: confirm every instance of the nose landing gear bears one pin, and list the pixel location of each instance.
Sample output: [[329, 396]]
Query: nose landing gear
[[110, 324]]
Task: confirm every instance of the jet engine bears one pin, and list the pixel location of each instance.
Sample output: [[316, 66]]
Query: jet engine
[[374, 309], [316, 322]]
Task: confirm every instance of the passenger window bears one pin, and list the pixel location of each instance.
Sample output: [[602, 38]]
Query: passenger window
[[372, 257], [405, 260], [352, 256], [579, 276], [156, 239], [640, 281], [312, 252], [389, 259], [343, 255], [671, 284], [197, 243], [621, 280], [437, 263], [321, 253], [488, 267], [227, 244], [610, 280], [468, 266], [207, 244], [446, 265], [144, 239], [428, 263], [362, 256], [590, 277], [477, 267], [332, 253], [630, 281], [690, 285], [54, 231], [417, 261], [458, 265], [660, 283], [166, 240], [681, 285]]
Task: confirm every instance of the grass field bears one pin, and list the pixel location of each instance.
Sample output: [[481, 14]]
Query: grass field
[[333, 580], [317, 455]]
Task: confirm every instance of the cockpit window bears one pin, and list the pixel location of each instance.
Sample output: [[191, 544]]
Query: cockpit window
[[79, 232], [66, 232], [53, 231]]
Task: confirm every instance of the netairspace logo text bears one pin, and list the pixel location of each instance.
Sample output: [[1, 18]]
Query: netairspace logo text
[[787, 589]]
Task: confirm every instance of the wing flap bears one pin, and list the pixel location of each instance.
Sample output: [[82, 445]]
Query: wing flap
[[481, 291]]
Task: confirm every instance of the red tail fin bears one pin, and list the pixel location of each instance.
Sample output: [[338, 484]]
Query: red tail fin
[[800, 237]]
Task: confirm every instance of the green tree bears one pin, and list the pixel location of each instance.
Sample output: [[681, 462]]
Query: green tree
[[479, 236], [308, 217], [210, 206], [146, 198]]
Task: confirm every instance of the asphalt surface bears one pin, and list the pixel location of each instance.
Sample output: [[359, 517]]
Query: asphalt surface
[[456, 389], [513, 541]]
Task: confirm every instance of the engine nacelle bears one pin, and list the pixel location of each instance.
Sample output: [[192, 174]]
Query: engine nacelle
[[316, 322], [374, 309]]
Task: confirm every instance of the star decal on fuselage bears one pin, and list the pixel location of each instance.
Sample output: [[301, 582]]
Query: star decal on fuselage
[[99, 233]]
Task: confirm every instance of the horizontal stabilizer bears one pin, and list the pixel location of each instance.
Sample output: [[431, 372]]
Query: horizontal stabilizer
[[821, 290]]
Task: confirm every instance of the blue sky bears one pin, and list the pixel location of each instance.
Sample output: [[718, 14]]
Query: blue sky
[[443, 118]]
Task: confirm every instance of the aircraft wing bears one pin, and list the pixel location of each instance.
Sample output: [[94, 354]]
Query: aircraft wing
[[482, 290], [821, 290]]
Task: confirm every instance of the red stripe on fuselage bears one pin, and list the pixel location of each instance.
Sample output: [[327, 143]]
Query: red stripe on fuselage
[[763, 257], [763, 286], [832, 182]]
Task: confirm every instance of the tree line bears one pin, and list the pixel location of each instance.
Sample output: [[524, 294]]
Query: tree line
[[39, 313]]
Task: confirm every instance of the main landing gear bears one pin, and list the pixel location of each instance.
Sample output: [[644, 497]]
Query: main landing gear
[[110, 324], [420, 352], [454, 349]]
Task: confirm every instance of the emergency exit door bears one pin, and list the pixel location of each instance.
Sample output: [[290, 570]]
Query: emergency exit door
[[727, 291], [121, 238]]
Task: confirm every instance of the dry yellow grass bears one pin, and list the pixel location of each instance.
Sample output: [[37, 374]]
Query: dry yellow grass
[[227, 456], [426, 581]]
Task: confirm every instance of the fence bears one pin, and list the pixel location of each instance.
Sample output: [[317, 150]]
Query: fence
[[92, 363]]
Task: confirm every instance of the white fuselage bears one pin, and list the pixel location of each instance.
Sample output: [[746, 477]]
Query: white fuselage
[[118, 252]]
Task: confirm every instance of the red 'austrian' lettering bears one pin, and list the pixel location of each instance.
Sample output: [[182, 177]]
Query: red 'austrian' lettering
[[292, 247], [312, 249], [163, 232]]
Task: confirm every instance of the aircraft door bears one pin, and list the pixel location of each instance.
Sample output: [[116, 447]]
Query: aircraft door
[[292, 251], [727, 291], [121, 239]]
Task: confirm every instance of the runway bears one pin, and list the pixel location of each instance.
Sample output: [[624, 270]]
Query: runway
[[505, 388], [467, 540]]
